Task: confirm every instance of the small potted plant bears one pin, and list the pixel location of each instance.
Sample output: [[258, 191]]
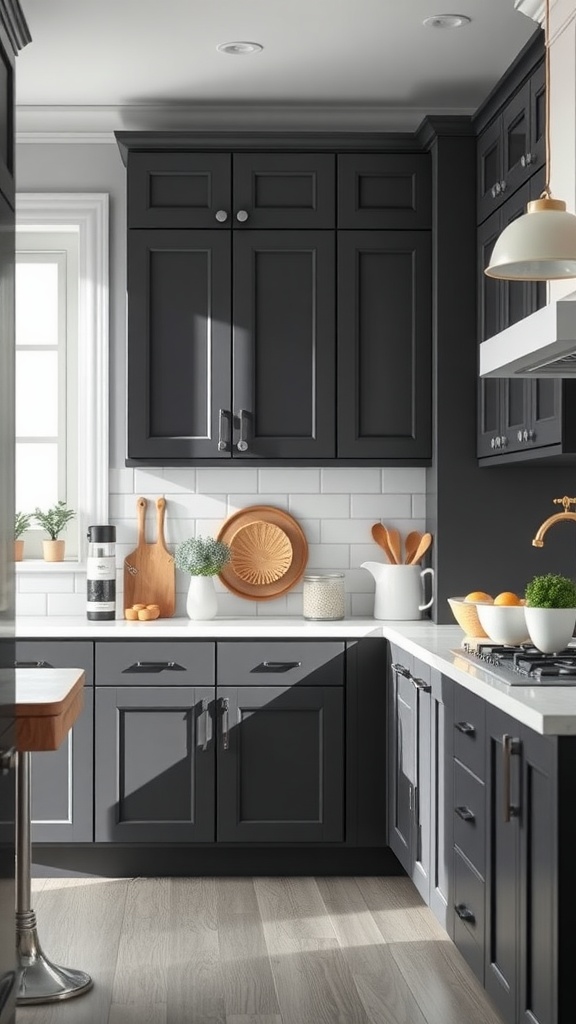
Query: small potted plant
[[201, 558], [550, 611], [54, 520], [22, 522]]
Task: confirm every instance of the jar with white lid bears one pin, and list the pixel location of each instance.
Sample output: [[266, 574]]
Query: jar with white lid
[[323, 596]]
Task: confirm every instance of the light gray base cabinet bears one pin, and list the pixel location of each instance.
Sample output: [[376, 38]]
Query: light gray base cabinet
[[62, 790], [187, 753]]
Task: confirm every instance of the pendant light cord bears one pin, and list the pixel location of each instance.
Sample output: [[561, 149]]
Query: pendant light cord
[[546, 193]]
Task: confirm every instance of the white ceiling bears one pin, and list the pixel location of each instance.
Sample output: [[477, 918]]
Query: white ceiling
[[132, 55]]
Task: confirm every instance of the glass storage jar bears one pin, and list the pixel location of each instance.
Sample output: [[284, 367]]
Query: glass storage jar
[[323, 596]]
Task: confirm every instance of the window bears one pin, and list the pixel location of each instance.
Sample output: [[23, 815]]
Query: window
[[62, 360]]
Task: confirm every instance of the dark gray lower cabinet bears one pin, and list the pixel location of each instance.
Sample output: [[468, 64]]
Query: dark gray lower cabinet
[[420, 778], [62, 789], [154, 764], [280, 764]]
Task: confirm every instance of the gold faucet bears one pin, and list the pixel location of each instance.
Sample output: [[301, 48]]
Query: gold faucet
[[560, 517]]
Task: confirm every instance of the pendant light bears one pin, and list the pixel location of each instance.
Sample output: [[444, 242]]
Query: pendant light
[[540, 245]]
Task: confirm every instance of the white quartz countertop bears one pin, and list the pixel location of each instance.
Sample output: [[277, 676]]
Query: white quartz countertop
[[548, 710]]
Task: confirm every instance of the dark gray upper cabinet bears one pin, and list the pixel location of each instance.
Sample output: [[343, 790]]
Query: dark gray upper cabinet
[[234, 347], [280, 764], [154, 779], [283, 360], [283, 190], [512, 147], [224, 190], [179, 344], [384, 191], [384, 345], [179, 190]]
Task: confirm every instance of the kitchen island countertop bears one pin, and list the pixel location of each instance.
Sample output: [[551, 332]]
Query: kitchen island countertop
[[548, 710]]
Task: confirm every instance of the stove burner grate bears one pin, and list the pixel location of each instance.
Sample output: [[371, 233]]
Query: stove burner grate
[[527, 660]]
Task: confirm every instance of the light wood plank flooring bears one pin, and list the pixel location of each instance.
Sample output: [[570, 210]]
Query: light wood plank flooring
[[253, 951]]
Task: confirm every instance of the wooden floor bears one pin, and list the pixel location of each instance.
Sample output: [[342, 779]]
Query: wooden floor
[[253, 951]]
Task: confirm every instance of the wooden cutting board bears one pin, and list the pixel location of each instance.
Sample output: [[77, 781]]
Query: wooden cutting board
[[149, 576]]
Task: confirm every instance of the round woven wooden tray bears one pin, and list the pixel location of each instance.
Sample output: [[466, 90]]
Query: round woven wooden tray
[[269, 552]]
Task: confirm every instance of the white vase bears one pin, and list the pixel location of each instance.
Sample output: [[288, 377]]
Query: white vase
[[550, 629], [201, 602]]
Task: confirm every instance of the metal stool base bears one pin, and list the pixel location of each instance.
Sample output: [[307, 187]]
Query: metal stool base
[[41, 981]]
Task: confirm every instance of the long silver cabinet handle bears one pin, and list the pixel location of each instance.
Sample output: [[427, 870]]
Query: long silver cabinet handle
[[222, 441], [401, 671], [203, 720], [242, 445], [224, 707], [510, 746], [421, 685]]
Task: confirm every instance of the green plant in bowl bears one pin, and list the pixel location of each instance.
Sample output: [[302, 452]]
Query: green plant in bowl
[[551, 591], [551, 611]]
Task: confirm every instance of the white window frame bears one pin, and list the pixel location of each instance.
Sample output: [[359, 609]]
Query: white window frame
[[88, 213]]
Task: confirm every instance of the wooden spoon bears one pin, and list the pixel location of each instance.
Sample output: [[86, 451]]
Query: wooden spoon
[[422, 548], [411, 543], [380, 535], [395, 544]]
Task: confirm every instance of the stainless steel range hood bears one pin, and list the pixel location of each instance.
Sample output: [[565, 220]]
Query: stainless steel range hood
[[541, 345]]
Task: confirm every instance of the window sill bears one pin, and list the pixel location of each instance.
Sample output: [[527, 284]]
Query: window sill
[[38, 565]]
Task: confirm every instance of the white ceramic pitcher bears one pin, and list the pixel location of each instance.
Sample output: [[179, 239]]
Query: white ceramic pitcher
[[399, 590]]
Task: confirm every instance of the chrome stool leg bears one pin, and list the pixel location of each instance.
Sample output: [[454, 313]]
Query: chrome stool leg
[[41, 981]]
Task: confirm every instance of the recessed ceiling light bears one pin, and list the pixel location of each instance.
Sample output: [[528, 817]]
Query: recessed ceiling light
[[447, 21], [240, 49]]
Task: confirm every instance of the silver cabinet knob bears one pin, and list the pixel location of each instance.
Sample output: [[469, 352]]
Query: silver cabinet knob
[[221, 216], [504, 440], [519, 435], [523, 160], [242, 216], [524, 435], [492, 442], [496, 190], [7, 760], [497, 442], [531, 435], [502, 186]]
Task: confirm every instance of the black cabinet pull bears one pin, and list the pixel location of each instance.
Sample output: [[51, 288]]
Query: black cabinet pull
[[464, 913], [203, 719], [421, 685], [154, 666], [465, 813], [466, 728], [276, 666], [510, 746], [224, 706], [401, 671], [222, 442], [242, 445], [32, 664]]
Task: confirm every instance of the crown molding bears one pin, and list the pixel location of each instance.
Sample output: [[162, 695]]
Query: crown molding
[[41, 124]]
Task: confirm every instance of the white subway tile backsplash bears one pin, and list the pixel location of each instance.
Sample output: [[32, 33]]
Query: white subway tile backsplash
[[335, 507], [37, 583], [289, 481], [345, 531], [241, 479], [403, 480], [352, 481], [320, 506], [31, 604], [328, 556], [66, 604], [381, 506]]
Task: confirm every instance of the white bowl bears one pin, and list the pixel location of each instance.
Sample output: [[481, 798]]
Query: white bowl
[[551, 629], [504, 623]]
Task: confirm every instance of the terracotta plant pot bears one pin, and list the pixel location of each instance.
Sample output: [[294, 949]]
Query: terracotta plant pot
[[53, 550], [18, 550]]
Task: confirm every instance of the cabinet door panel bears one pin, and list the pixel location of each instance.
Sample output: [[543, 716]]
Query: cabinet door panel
[[516, 138], [539, 881], [402, 762], [284, 190], [154, 764], [501, 977], [155, 662], [489, 323], [283, 344], [384, 345], [538, 117], [442, 787], [281, 661], [178, 343], [280, 778], [178, 190], [516, 304], [383, 191], [489, 168]]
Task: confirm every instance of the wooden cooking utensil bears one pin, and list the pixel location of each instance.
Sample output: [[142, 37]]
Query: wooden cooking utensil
[[411, 543], [395, 544], [149, 569], [422, 548], [380, 535]]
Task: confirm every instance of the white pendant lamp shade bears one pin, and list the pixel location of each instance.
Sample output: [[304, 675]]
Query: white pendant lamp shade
[[539, 246]]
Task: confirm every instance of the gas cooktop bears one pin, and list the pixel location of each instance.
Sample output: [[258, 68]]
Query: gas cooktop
[[523, 665]]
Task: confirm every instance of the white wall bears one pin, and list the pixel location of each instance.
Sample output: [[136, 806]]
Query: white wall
[[336, 507]]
